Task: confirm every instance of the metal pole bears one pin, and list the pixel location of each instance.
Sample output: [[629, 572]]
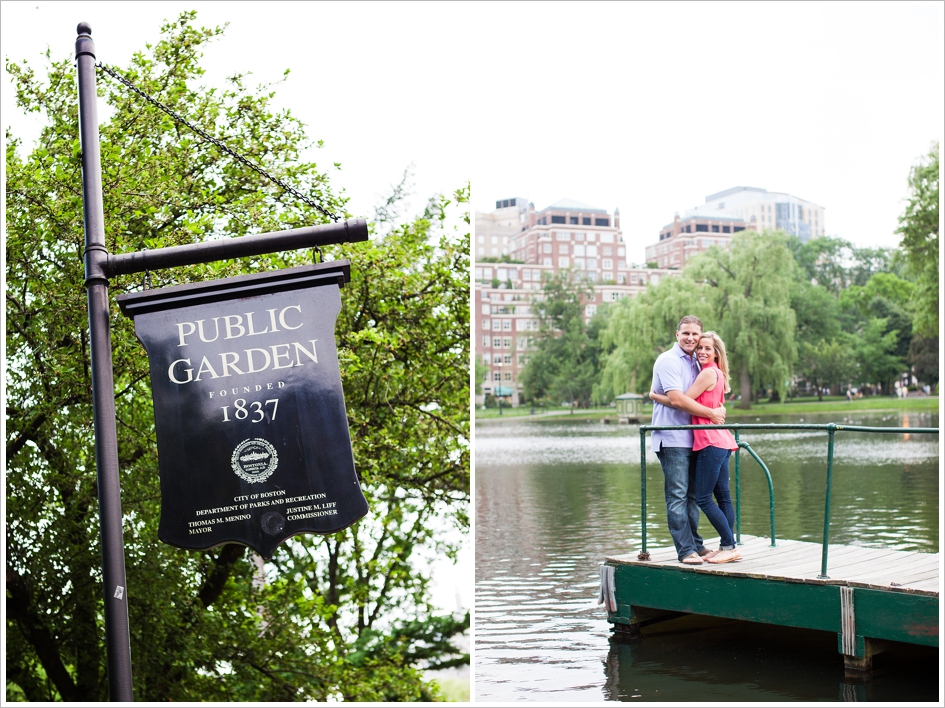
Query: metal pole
[[117, 637], [643, 489], [823, 563], [738, 491]]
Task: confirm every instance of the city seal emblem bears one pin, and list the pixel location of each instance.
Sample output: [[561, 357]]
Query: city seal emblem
[[254, 460]]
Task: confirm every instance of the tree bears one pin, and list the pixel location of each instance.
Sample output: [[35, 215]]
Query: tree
[[919, 228], [874, 348], [747, 291], [563, 364], [827, 363], [340, 616], [639, 329]]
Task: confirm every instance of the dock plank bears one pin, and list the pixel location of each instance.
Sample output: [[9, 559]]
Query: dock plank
[[800, 561]]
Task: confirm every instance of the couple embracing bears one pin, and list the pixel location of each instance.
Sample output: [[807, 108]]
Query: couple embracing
[[689, 385]]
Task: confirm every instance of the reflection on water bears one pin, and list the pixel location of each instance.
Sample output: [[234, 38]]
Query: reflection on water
[[553, 498]]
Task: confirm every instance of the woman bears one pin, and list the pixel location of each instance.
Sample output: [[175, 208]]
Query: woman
[[712, 447]]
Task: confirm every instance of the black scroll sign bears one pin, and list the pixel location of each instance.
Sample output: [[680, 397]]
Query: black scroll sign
[[252, 434]]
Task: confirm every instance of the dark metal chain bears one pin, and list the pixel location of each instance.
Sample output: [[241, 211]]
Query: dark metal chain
[[202, 133]]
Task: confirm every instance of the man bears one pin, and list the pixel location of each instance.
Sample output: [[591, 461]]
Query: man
[[673, 373]]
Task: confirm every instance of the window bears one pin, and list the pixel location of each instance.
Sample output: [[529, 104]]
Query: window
[[562, 248], [590, 310], [546, 248], [508, 374], [591, 250], [495, 240], [715, 228], [481, 239], [546, 261], [614, 296], [507, 325], [621, 278], [496, 342], [573, 220], [557, 220], [591, 264], [621, 264], [485, 340], [585, 221], [607, 238], [497, 376], [507, 359], [687, 229], [563, 262], [607, 250], [485, 359], [736, 229], [562, 236], [579, 236], [726, 230], [699, 227], [621, 251], [485, 324], [633, 278], [528, 324], [485, 308], [496, 358], [496, 325], [513, 273], [592, 276], [601, 222], [608, 264]]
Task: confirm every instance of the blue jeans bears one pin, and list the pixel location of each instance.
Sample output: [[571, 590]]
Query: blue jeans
[[712, 478], [682, 511]]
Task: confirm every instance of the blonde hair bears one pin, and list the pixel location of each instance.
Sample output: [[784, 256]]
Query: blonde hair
[[721, 358]]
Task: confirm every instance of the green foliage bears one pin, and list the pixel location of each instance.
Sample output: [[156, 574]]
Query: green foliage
[[919, 228], [639, 329], [564, 364], [345, 616]]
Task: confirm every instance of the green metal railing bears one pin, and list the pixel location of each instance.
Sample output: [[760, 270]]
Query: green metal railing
[[830, 428]]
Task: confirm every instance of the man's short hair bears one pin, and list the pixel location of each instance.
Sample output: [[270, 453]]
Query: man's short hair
[[689, 319]]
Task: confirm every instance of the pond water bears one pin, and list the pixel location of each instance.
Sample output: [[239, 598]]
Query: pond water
[[554, 497]]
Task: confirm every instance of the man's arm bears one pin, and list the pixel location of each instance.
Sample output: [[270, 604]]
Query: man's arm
[[677, 399]]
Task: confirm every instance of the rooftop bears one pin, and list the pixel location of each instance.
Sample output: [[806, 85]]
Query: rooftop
[[573, 205], [733, 190]]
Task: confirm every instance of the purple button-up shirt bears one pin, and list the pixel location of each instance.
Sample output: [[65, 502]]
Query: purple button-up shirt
[[674, 370]]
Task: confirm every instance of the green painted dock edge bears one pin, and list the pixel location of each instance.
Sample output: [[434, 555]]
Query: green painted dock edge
[[878, 615]]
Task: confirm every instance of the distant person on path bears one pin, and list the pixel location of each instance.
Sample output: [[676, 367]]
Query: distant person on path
[[674, 372], [713, 448]]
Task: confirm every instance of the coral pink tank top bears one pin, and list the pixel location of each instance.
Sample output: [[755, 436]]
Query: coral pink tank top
[[712, 399]]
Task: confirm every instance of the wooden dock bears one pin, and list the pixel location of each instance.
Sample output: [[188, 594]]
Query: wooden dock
[[870, 595]]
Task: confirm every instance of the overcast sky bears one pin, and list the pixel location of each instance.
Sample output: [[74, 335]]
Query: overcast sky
[[650, 107]]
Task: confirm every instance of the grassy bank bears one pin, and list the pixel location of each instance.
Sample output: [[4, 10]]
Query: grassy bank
[[801, 406]]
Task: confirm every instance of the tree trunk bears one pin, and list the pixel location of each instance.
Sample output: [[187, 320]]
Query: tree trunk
[[745, 383]]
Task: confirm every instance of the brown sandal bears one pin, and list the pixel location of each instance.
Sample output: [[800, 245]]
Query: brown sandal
[[692, 559]]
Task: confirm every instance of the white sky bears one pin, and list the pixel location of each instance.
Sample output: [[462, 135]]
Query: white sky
[[649, 107]]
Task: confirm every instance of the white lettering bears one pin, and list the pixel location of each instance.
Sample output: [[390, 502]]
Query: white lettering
[[189, 372], [282, 316]]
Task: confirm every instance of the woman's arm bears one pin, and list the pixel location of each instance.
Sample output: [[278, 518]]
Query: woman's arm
[[705, 381]]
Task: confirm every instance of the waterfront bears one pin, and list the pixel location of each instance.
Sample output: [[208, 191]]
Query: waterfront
[[553, 497]]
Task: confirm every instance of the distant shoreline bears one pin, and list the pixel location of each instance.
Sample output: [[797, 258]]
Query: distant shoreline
[[872, 404]]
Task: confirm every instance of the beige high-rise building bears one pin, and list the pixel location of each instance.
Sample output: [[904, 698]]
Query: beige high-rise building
[[770, 210], [493, 228]]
